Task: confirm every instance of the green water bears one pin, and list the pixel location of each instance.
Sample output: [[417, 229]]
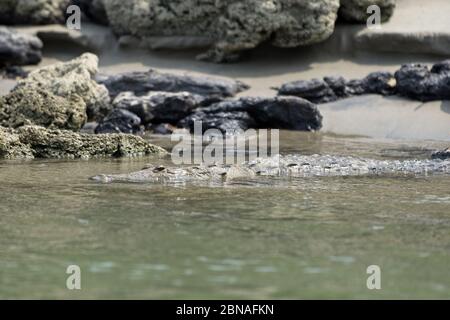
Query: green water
[[272, 238]]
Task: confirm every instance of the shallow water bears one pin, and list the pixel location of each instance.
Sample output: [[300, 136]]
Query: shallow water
[[271, 238]]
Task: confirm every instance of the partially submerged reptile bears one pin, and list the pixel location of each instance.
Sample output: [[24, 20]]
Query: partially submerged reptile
[[282, 166]]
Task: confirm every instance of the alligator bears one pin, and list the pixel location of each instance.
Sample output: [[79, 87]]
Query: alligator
[[281, 166]]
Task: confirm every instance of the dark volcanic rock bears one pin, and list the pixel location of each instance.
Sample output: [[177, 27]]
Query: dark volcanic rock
[[289, 113], [444, 154], [19, 49], [140, 83], [120, 121], [354, 87], [417, 82], [333, 88], [315, 90], [160, 107], [383, 83], [94, 10], [441, 67], [338, 85]]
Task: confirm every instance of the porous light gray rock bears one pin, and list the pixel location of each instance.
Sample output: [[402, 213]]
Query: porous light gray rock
[[11, 147], [140, 83], [39, 106], [57, 96], [38, 142], [18, 49], [232, 25], [32, 11], [290, 113], [356, 10]]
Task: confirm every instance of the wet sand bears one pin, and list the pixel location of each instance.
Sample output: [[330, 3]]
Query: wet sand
[[417, 26], [6, 86]]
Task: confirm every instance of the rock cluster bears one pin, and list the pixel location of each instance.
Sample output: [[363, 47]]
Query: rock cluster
[[290, 113], [154, 108], [40, 116], [43, 113], [186, 100], [413, 81]]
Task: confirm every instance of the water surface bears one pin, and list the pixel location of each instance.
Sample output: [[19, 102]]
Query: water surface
[[270, 238]]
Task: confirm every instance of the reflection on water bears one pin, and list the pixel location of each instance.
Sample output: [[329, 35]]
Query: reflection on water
[[275, 238]]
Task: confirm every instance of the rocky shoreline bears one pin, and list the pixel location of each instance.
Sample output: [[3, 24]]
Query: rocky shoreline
[[66, 98], [63, 97]]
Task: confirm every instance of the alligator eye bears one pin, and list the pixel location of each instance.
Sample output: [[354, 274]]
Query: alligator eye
[[292, 165], [159, 169]]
